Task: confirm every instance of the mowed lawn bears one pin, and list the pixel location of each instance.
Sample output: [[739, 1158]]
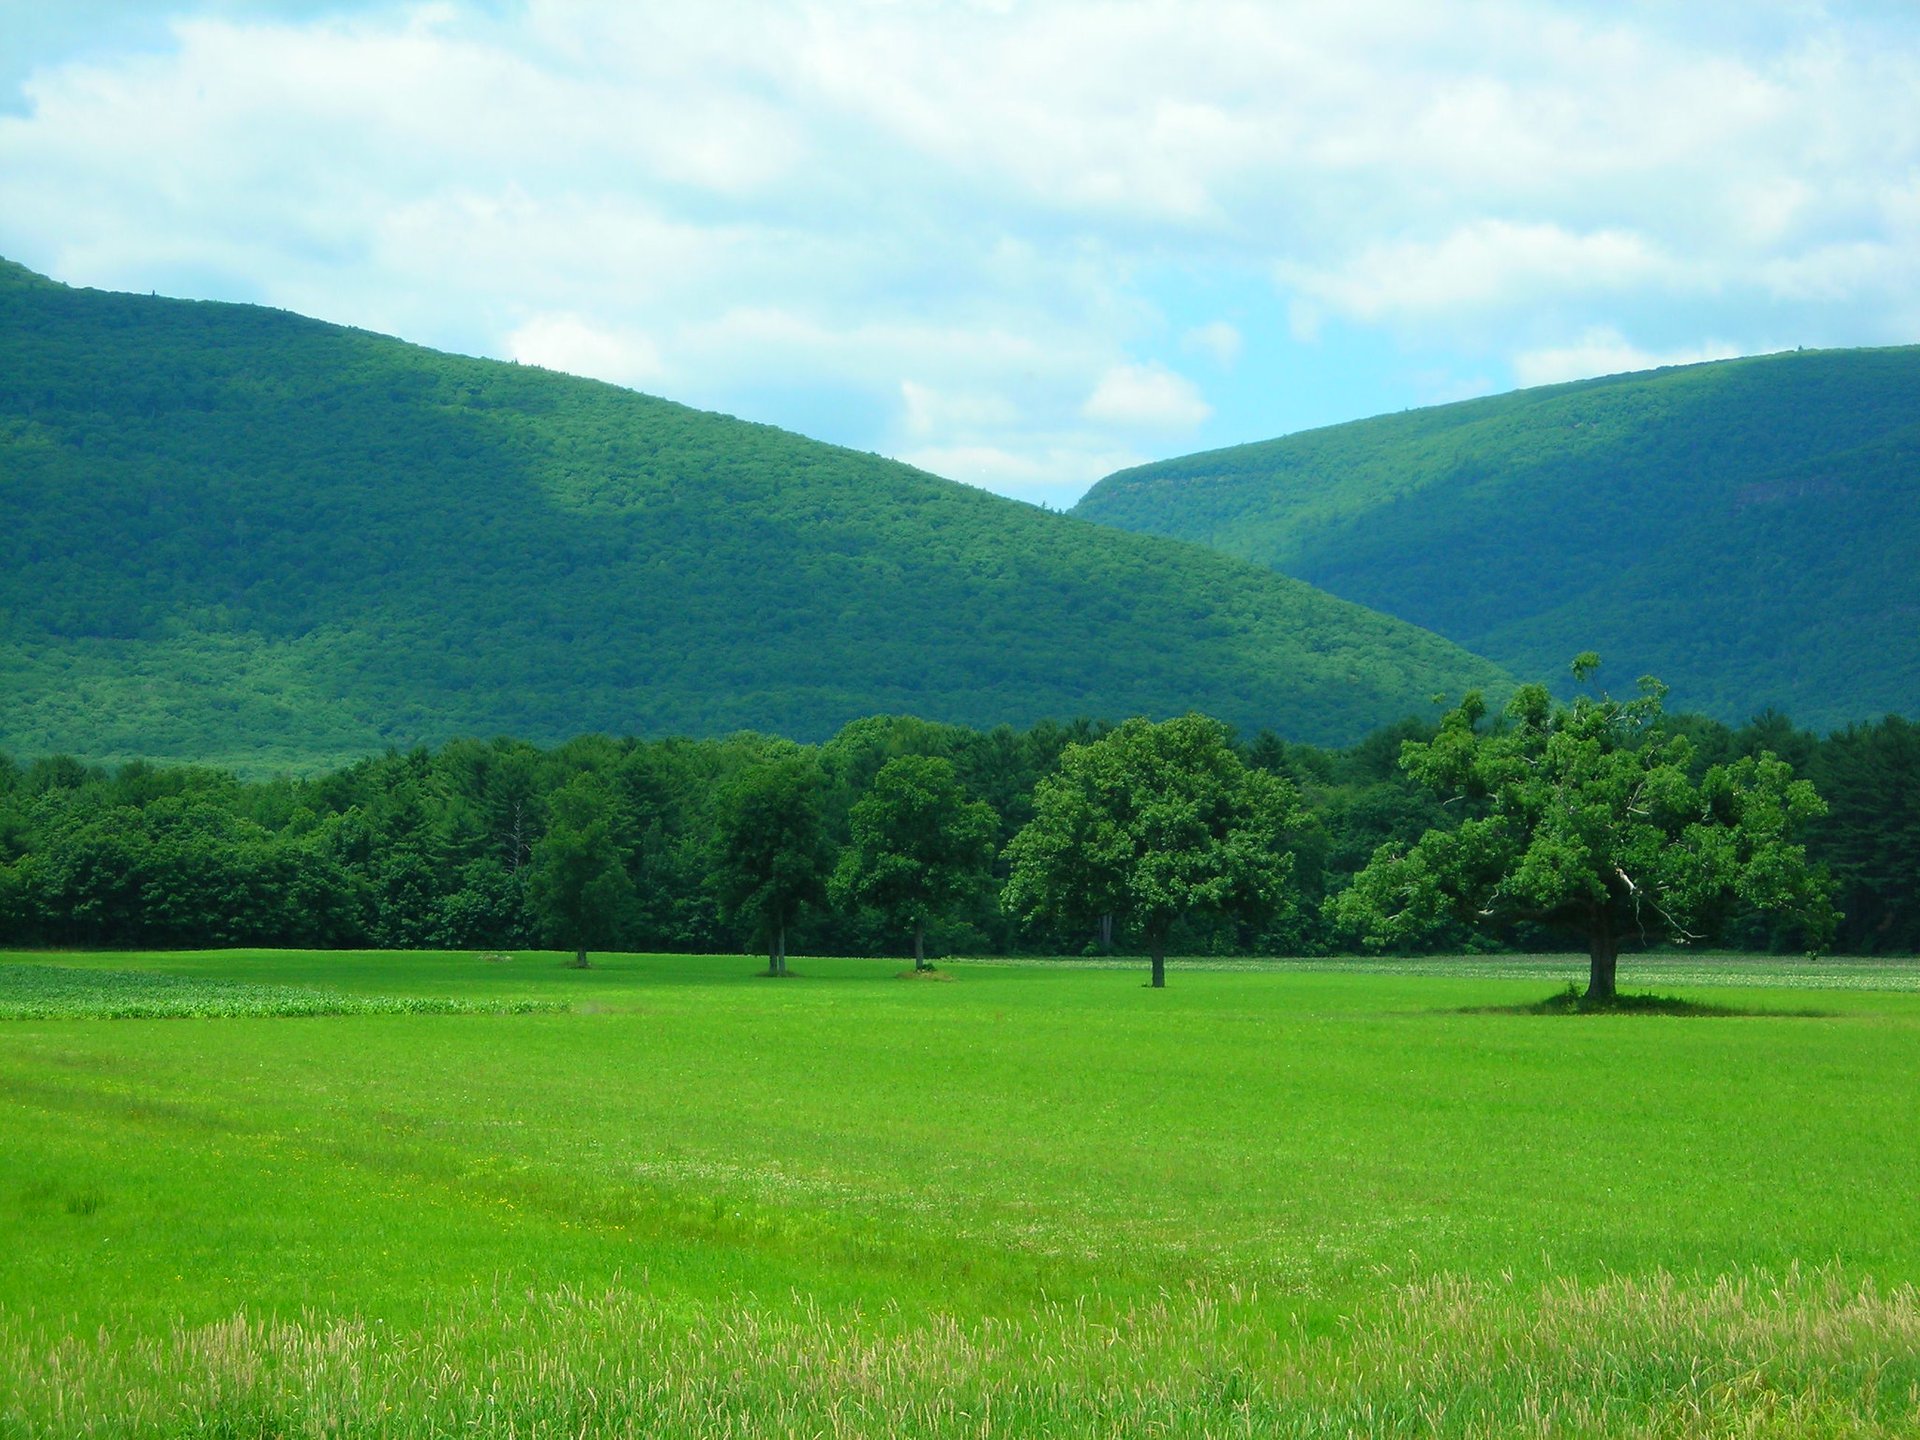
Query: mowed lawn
[[1269, 1199]]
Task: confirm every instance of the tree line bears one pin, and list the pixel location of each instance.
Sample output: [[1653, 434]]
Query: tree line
[[901, 836]]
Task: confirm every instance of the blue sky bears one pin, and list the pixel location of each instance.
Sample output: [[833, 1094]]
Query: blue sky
[[1020, 244]]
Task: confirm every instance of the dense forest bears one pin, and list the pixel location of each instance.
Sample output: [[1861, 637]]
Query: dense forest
[[436, 847], [234, 535], [1743, 529]]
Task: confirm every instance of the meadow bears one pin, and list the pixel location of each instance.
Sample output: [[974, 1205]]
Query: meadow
[[492, 1194]]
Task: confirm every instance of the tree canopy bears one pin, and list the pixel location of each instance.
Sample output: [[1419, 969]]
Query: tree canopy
[[1588, 817], [435, 847], [769, 853], [578, 889], [917, 845], [1150, 824]]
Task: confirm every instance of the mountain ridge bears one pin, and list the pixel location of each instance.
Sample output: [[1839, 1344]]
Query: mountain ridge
[[239, 535], [1735, 527]]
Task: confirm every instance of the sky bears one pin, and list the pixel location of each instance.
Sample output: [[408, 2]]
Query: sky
[[1017, 244]]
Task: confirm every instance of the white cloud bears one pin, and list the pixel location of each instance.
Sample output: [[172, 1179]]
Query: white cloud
[[770, 341], [566, 342], [1217, 340], [929, 411], [1146, 397], [1443, 387], [1047, 470], [1831, 273], [1484, 263], [995, 232], [1304, 321], [1605, 351]]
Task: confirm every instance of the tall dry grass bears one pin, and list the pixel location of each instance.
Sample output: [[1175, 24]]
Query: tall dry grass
[[1757, 1355]]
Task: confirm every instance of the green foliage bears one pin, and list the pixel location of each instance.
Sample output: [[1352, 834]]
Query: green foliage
[[769, 858], [917, 846], [577, 886], [1589, 816], [1869, 776], [241, 537], [1148, 825], [435, 847], [1743, 529]]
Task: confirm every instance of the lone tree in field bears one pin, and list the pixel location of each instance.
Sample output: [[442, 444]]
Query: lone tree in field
[[919, 846], [1586, 817], [1149, 824], [769, 857], [577, 885]]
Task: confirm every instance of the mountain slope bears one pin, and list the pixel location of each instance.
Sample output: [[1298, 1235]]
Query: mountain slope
[[1744, 529], [235, 534]]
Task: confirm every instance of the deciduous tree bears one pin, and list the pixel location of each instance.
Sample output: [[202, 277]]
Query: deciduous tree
[[1586, 816], [769, 858], [577, 883], [918, 846], [1149, 824]]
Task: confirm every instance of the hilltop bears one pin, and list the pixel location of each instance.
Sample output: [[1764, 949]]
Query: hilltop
[[1745, 529], [234, 534]]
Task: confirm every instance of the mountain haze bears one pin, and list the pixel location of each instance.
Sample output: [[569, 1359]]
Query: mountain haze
[[233, 534], [1746, 529]]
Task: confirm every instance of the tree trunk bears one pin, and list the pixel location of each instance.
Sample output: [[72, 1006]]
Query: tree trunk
[[1159, 949], [780, 949], [920, 945], [580, 958], [1106, 933], [1604, 949]]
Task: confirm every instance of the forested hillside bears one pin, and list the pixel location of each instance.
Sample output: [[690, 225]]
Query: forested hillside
[[1744, 529], [236, 535]]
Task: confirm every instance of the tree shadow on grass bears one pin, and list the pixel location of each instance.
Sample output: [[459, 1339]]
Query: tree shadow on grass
[[1571, 1001]]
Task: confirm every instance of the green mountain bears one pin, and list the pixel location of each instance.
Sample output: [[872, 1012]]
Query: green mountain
[[233, 534], [1746, 530]]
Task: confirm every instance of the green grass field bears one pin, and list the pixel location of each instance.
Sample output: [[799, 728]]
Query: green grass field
[[663, 1196]]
